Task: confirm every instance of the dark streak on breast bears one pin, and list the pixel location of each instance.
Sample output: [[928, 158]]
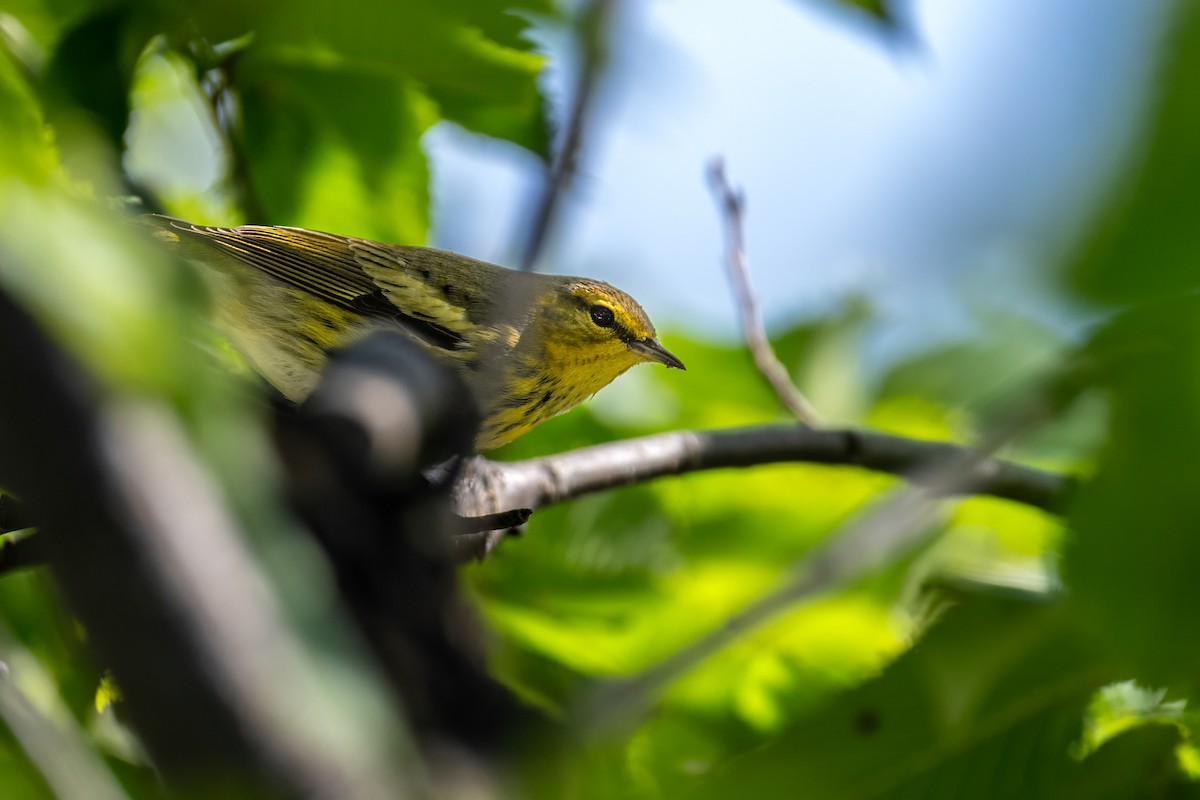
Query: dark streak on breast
[[543, 400]]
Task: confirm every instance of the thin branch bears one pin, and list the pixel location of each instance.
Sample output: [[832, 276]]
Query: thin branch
[[595, 27], [498, 496], [490, 487], [731, 203]]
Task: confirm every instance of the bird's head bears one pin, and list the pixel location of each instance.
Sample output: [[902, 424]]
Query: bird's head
[[598, 327]]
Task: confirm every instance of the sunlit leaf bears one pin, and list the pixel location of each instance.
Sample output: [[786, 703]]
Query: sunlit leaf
[[986, 705], [339, 150]]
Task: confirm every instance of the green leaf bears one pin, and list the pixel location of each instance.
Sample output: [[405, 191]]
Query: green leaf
[[1130, 563], [1141, 762], [338, 149], [986, 705], [488, 85], [86, 87], [1146, 243]]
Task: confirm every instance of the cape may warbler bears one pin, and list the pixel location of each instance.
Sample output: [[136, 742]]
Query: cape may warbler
[[529, 346]]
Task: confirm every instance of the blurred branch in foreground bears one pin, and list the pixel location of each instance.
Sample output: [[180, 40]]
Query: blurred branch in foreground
[[595, 27], [353, 454], [154, 566], [732, 205]]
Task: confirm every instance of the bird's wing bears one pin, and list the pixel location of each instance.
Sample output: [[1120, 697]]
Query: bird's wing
[[420, 288], [317, 263], [441, 288]]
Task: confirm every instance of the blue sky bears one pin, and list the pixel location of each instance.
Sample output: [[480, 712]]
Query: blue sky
[[938, 182]]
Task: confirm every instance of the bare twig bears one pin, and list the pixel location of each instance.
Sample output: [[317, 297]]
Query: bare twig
[[731, 204], [595, 27], [489, 487]]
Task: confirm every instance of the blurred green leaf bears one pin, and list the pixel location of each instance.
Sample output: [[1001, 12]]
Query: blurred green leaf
[[90, 72], [25, 141], [1142, 763], [34, 614], [1145, 244], [986, 705], [486, 84], [1129, 562], [335, 149], [19, 779]]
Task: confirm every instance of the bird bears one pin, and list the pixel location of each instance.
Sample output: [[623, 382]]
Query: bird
[[529, 346]]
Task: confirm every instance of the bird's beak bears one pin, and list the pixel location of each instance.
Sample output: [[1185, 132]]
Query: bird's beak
[[651, 350]]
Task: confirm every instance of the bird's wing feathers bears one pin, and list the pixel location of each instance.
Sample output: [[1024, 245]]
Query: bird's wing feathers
[[416, 284], [317, 263], [421, 288]]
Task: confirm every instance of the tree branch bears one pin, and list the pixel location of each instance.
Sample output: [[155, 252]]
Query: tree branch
[[732, 203], [498, 496], [490, 487], [152, 562]]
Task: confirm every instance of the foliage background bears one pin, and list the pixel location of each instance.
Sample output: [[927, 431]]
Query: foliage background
[[1018, 654]]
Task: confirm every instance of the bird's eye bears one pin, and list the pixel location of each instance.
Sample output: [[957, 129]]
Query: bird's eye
[[603, 316]]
